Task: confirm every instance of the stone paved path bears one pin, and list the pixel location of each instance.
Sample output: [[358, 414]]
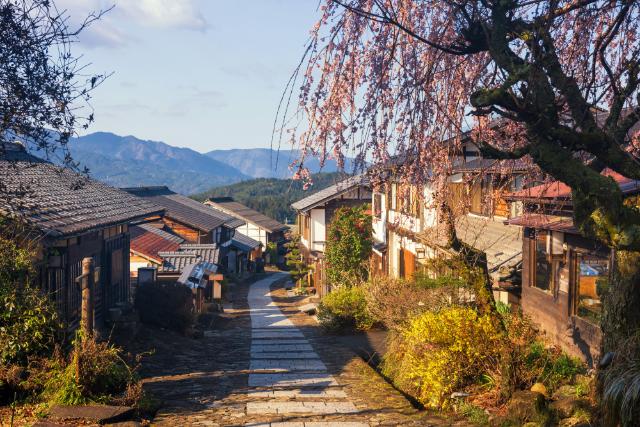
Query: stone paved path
[[263, 364], [285, 369]]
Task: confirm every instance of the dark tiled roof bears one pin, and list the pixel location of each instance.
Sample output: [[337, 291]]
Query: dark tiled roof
[[207, 252], [230, 206], [242, 242], [148, 241], [175, 262], [60, 202], [557, 192], [186, 210], [501, 243], [496, 166], [331, 192]]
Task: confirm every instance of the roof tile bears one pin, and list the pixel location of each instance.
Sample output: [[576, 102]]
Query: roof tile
[[59, 201]]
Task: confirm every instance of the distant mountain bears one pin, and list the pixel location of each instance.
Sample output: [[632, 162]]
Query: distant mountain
[[272, 196], [125, 161], [268, 163]]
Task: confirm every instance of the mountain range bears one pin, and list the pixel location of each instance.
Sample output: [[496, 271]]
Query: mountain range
[[126, 161], [268, 163]]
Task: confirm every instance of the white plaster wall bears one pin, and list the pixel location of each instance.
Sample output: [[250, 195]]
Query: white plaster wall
[[429, 213], [380, 225], [318, 229], [134, 266], [255, 232]]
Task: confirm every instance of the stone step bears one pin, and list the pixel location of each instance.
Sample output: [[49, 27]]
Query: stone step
[[298, 393], [265, 348], [284, 355], [296, 380], [275, 341], [287, 365], [310, 407], [276, 334]]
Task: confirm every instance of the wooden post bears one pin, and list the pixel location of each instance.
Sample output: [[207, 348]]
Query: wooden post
[[87, 297]]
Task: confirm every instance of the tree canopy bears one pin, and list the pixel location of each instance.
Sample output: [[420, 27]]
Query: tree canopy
[[554, 83], [412, 77], [44, 88]]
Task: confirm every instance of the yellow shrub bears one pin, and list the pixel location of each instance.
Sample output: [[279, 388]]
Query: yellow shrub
[[441, 352]]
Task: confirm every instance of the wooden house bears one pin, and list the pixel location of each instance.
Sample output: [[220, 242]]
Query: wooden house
[[242, 254], [73, 217], [167, 253], [187, 218], [563, 273], [257, 226], [406, 227], [147, 242], [315, 213], [197, 223]]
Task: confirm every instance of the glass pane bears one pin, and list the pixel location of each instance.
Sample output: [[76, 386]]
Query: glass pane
[[543, 267], [593, 274]]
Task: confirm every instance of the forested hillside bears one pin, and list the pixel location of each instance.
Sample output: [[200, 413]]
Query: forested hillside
[[271, 196]]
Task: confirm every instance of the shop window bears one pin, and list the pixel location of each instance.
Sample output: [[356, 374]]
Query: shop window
[[543, 268], [592, 275]]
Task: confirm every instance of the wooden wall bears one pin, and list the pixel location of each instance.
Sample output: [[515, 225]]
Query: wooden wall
[[552, 312], [190, 234], [109, 249]]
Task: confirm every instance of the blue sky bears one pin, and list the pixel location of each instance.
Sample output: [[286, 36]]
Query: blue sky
[[204, 74]]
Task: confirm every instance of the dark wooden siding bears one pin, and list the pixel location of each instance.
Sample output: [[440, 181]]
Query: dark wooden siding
[[189, 234], [110, 255], [552, 312]]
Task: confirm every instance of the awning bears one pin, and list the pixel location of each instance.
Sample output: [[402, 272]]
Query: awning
[[242, 242], [545, 222]]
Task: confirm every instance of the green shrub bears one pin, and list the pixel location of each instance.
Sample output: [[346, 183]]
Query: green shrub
[[348, 246], [28, 324], [345, 308], [526, 360], [394, 302], [93, 372], [295, 264], [168, 306], [441, 352]]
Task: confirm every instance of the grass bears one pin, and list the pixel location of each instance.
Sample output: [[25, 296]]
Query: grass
[[473, 414]]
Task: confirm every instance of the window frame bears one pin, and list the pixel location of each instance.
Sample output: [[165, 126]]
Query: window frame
[[533, 263], [575, 257]]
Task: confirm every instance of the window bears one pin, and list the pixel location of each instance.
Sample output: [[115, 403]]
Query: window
[[406, 199], [377, 205], [592, 276], [542, 267]]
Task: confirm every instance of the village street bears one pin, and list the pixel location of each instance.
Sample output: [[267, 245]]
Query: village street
[[260, 369]]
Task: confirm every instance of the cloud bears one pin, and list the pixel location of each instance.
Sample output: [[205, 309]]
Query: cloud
[[177, 14], [99, 35], [111, 30]]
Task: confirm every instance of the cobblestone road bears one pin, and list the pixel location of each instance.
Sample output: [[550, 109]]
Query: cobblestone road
[[265, 365]]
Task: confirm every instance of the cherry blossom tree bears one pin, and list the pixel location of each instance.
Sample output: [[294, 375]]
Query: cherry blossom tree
[[411, 77]]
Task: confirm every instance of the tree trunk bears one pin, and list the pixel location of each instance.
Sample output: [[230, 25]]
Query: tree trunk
[[621, 343]]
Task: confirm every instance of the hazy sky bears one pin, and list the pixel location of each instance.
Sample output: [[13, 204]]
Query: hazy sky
[[203, 74]]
